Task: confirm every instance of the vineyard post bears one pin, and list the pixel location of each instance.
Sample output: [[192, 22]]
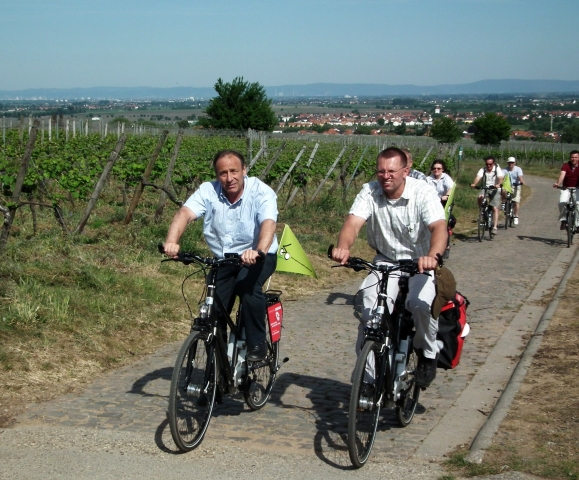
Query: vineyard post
[[67, 129], [74, 129], [168, 176], [249, 149], [101, 183], [10, 211], [287, 174], [296, 189], [341, 178], [272, 161], [106, 129], [148, 170], [357, 166], [4, 131], [427, 154], [256, 158], [328, 174], [50, 129]]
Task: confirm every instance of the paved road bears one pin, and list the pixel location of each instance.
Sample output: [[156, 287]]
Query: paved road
[[117, 427]]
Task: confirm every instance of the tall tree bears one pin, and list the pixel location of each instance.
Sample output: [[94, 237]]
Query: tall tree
[[239, 105], [445, 130], [490, 129]]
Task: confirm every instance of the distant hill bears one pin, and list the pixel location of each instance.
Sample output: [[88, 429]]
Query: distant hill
[[482, 87]]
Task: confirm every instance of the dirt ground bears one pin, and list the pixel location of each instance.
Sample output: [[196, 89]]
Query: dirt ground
[[540, 433]]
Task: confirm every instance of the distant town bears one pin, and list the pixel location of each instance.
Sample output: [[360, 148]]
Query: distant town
[[539, 118]]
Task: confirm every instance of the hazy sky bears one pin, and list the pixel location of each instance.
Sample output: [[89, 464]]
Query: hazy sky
[[88, 43]]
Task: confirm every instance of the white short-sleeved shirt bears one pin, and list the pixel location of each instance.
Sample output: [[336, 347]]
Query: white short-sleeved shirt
[[489, 177], [399, 228], [515, 174], [442, 184], [234, 227]]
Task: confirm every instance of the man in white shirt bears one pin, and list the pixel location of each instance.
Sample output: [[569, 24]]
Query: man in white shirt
[[405, 220], [492, 175]]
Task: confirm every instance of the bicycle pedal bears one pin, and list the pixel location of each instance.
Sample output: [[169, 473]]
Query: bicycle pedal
[[286, 359]]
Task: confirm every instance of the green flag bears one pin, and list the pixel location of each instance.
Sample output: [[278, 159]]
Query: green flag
[[291, 256], [507, 187], [449, 202]]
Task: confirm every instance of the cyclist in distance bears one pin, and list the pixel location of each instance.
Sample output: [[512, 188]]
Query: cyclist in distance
[[240, 215], [516, 176], [568, 177], [404, 221], [441, 180], [492, 175]]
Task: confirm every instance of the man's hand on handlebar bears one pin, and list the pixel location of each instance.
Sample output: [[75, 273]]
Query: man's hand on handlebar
[[171, 249], [250, 257], [427, 263], [340, 255]]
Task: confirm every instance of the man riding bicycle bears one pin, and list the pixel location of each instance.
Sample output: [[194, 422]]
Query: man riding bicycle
[[492, 176], [568, 177], [240, 215], [405, 220], [515, 174]]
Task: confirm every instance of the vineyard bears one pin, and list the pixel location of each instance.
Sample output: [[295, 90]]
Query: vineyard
[[67, 170]]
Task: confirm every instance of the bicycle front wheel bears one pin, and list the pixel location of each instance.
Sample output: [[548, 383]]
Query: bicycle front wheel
[[570, 227], [490, 224], [508, 212], [261, 376], [364, 409], [406, 406], [192, 393], [481, 225]]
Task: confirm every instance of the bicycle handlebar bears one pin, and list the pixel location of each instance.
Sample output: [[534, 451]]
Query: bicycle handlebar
[[358, 264], [571, 189], [492, 187], [187, 258]]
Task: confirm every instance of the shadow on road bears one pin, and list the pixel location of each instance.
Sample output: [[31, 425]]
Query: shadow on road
[[555, 242]]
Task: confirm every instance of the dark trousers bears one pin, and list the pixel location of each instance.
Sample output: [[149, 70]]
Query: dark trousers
[[247, 283]]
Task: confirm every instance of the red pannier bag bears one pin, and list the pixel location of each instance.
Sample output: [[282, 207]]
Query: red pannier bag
[[452, 328], [274, 314]]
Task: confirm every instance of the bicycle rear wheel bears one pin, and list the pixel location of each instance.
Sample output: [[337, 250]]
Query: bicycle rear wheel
[[364, 409], [406, 406], [481, 225], [261, 375], [192, 393]]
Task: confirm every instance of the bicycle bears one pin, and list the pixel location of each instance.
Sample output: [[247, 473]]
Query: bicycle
[[510, 208], [570, 215], [209, 366], [385, 371], [485, 216]]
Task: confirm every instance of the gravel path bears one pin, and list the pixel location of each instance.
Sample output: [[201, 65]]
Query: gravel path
[[117, 428]]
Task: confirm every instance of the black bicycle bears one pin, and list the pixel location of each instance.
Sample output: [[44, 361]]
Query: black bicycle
[[485, 214], [211, 365], [570, 214], [385, 371], [509, 207]]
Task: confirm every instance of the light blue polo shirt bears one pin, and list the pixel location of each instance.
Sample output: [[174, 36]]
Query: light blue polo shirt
[[234, 228]]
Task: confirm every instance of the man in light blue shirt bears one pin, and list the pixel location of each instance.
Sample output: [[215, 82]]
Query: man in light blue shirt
[[239, 216]]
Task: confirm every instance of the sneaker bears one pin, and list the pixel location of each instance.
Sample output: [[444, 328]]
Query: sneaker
[[495, 229], [516, 221], [426, 371], [563, 226]]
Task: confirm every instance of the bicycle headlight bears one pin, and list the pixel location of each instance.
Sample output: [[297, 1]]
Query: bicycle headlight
[[204, 311]]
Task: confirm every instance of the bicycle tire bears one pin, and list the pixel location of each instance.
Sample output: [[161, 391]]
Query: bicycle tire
[[261, 376], [190, 412], [364, 410], [406, 406], [508, 212], [489, 221], [570, 227], [481, 225]]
